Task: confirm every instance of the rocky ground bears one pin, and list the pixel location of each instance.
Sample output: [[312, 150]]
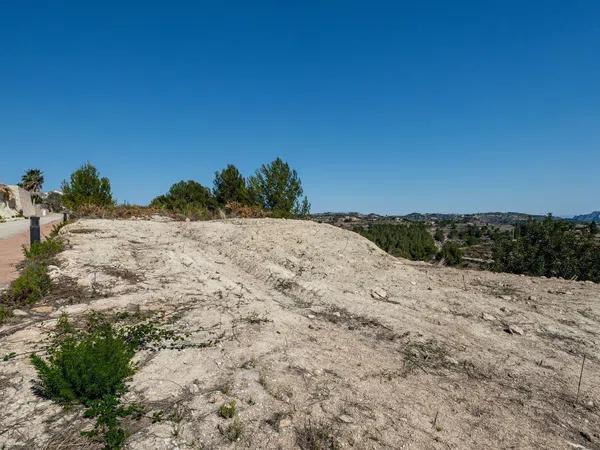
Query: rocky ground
[[310, 327]]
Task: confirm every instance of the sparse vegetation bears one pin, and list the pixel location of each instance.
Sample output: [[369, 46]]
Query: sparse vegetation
[[4, 313], [228, 410], [317, 436], [31, 285], [234, 430], [450, 254], [43, 250], [89, 366]]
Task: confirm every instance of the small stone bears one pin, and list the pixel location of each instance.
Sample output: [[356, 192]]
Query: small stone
[[43, 309], [586, 435], [452, 361], [590, 404], [346, 418], [506, 297], [285, 423], [532, 297], [488, 317], [514, 329], [414, 283], [19, 313], [311, 316], [337, 314], [379, 294]]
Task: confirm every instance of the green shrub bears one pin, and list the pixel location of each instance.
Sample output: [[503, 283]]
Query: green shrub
[[86, 369], [228, 410], [451, 254], [31, 285], [188, 198], [43, 250], [90, 366], [4, 313]]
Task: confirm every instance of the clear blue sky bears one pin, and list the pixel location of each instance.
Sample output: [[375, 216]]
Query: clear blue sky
[[392, 107]]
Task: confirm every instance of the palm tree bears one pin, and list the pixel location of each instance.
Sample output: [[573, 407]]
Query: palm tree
[[32, 180]]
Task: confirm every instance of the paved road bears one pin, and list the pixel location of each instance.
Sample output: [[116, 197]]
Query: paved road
[[13, 236], [13, 227]]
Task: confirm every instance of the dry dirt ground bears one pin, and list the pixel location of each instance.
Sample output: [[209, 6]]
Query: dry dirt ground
[[306, 325]]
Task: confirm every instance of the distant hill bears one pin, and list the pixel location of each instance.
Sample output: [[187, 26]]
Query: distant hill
[[591, 217], [492, 218]]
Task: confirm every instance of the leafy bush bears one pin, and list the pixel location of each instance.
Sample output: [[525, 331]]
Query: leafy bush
[[317, 436], [228, 410], [188, 198], [31, 285], [412, 241], [90, 366], [43, 250], [4, 313], [87, 188]]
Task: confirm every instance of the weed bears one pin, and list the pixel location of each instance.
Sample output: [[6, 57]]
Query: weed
[[9, 356], [254, 318], [157, 416], [5, 313], [89, 366], [317, 436], [228, 410], [86, 369], [31, 285], [234, 430], [429, 354], [44, 250], [276, 418], [249, 364]]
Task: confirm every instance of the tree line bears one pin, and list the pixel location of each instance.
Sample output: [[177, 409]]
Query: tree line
[[411, 240], [551, 248], [274, 188]]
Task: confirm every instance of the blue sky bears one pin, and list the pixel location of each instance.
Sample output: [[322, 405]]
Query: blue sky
[[389, 107]]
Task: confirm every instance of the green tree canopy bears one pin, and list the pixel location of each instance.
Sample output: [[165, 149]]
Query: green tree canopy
[[186, 197], [411, 241], [553, 248], [87, 188], [277, 187], [230, 186]]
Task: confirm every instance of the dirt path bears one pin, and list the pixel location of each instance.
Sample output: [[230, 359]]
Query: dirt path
[[11, 252]]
